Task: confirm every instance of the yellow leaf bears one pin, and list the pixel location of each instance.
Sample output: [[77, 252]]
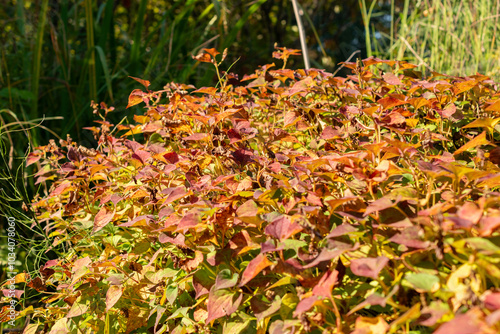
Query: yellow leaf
[[483, 123], [375, 325]]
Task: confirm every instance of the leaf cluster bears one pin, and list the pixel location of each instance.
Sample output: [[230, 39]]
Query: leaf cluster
[[284, 201]]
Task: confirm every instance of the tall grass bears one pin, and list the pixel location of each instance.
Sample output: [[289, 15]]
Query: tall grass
[[454, 37], [57, 56]]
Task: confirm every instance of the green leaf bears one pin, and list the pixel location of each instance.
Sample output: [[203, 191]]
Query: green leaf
[[225, 279], [284, 281], [423, 282], [171, 293], [235, 327]]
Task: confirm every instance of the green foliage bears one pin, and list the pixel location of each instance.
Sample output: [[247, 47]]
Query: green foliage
[[282, 201]]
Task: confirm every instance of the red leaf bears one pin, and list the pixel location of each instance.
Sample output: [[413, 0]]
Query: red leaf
[[468, 323], [141, 155], [326, 284], [254, 267], [301, 85], [448, 111], [60, 188], [410, 237], [329, 133], [197, 136], [313, 199], [102, 218], [289, 118], [489, 225], [392, 79], [174, 194], [171, 157], [191, 219], [369, 267], [282, 228], [378, 205], [178, 240], [221, 303], [328, 254], [225, 279], [341, 230], [492, 301], [305, 305], [32, 158], [470, 211], [233, 136], [393, 117]]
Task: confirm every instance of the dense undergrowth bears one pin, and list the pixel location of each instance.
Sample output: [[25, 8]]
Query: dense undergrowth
[[282, 202]]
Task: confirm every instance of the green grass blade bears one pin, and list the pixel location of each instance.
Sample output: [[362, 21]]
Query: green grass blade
[[107, 76], [89, 23], [37, 58], [135, 52], [241, 22]]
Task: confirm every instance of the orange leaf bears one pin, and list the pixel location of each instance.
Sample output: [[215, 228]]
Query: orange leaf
[[494, 107], [389, 102], [135, 97], [206, 90], [145, 83], [213, 52], [464, 86], [418, 102], [477, 141]]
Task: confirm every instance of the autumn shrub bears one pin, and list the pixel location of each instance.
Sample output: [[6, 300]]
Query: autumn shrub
[[285, 201]]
